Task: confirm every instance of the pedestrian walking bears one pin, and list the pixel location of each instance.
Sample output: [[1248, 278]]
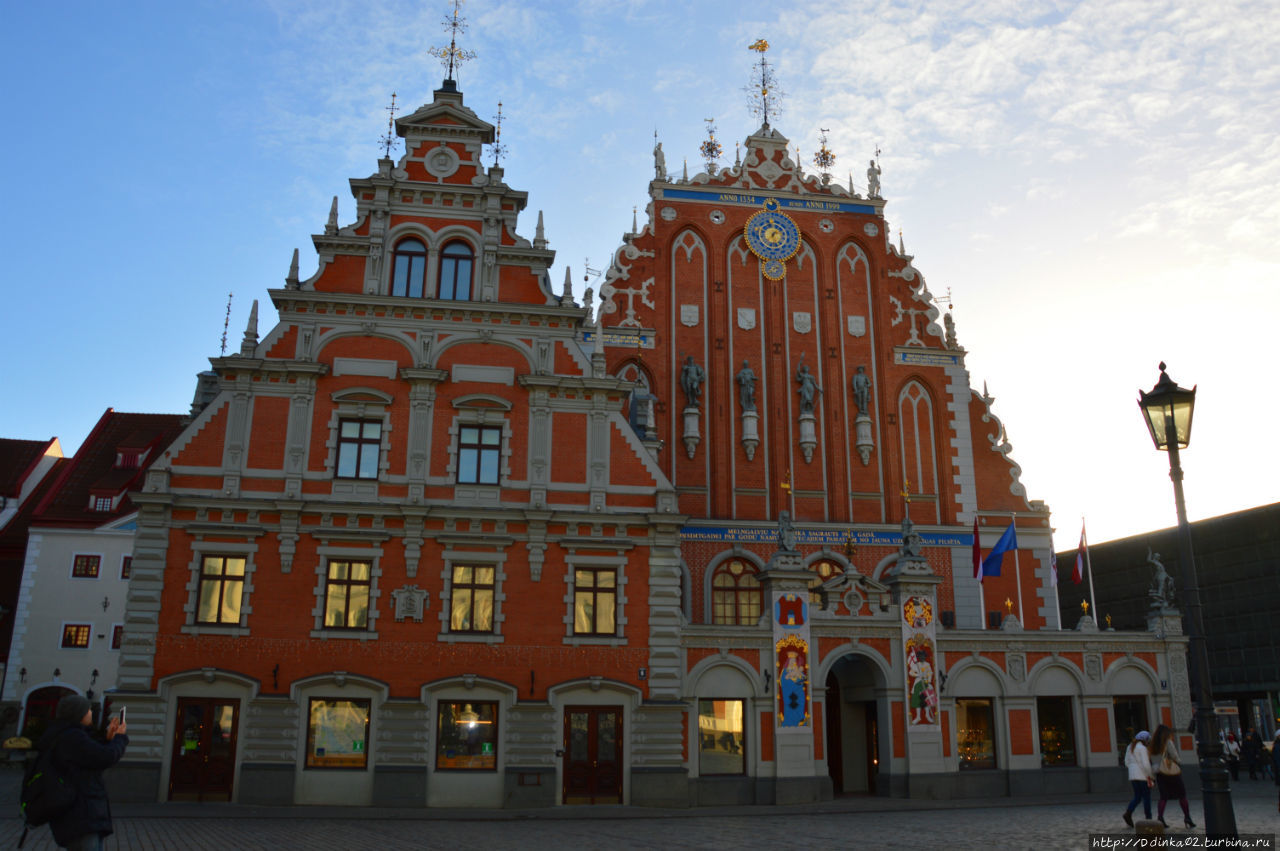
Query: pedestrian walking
[[1141, 777], [1168, 764], [1231, 750], [81, 760], [1251, 752], [1275, 764]]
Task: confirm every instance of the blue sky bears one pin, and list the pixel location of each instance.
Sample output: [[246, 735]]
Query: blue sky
[[1094, 182]]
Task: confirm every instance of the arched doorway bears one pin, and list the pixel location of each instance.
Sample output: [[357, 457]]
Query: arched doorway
[[854, 694]]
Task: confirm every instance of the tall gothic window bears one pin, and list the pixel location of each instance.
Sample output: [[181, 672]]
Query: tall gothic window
[[735, 594], [456, 262], [409, 268]]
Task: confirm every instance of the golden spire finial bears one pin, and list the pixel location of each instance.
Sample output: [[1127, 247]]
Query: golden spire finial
[[389, 140], [452, 56], [499, 149], [763, 96]]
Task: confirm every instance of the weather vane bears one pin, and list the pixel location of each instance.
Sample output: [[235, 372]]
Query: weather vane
[[764, 96], [389, 140], [824, 159], [711, 149], [499, 149], [451, 57]]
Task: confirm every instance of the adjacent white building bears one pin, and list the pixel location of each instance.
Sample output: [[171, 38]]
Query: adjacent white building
[[69, 616]]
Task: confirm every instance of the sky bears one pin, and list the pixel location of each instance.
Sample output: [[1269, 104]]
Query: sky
[[1092, 186]]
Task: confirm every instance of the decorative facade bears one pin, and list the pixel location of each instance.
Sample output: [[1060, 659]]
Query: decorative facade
[[444, 537]]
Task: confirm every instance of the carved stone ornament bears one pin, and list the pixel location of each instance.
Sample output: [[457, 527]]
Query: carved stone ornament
[[716, 216], [858, 326], [802, 322], [1017, 666], [410, 600], [1093, 667], [746, 318], [689, 314], [441, 162], [668, 214], [870, 229], [826, 225]]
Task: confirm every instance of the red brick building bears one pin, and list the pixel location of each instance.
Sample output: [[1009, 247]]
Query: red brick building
[[440, 538]]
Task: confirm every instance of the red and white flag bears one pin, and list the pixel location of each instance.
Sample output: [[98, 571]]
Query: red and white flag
[[1082, 554]]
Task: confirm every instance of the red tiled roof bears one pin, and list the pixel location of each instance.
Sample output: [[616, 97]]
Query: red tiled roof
[[93, 471], [17, 457]]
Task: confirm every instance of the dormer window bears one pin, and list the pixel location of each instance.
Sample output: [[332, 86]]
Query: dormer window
[[409, 268], [456, 262]]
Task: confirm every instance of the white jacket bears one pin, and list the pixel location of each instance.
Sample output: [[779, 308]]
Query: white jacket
[[1138, 761]]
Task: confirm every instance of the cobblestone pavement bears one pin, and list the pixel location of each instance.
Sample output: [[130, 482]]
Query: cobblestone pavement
[[867, 822]]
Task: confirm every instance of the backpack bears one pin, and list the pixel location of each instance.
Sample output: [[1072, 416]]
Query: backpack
[[46, 791]]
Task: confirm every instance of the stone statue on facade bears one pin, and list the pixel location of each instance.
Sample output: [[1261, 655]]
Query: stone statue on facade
[[746, 379], [808, 388], [786, 533], [1161, 593], [659, 162], [950, 325], [862, 390], [691, 378], [873, 180], [911, 541]]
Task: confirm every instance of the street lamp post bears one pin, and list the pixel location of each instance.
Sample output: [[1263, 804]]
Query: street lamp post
[[1168, 409]]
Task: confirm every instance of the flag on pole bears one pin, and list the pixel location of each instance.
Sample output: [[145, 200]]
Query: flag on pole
[[1082, 555], [991, 564], [977, 551]]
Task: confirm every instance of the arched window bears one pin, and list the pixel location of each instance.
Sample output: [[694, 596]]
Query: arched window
[[823, 570], [735, 594], [456, 262], [409, 269]]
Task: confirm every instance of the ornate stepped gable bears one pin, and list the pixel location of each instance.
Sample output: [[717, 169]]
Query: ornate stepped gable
[[690, 289]]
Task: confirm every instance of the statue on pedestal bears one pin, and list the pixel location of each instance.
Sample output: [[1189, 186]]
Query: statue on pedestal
[[746, 379], [691, 378]]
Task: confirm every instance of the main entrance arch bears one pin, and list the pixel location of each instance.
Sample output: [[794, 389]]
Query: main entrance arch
[[856, 719]]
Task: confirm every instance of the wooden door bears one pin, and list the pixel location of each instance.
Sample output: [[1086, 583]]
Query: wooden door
[[593, 755], [204, 749]]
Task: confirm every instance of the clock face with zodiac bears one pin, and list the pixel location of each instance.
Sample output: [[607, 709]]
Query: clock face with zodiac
[[773, 237]]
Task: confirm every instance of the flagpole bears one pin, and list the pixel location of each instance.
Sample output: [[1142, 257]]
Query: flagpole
[[1088, 566], [1053, 577], [1017, 572], [977, 557]]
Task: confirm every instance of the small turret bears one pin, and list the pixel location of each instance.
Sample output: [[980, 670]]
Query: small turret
[[291, 281], [331, 226], [540, 234], [249, 344]]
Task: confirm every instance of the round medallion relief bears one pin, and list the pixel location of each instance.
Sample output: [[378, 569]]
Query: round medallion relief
[[826, 225], [870, 229], [668, 214], [441, 162], [716, 217]]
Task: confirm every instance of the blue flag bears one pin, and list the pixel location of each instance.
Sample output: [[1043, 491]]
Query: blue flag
[[1008, 541]]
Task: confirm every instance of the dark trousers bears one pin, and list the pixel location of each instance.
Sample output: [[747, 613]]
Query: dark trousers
[[1141, 792]]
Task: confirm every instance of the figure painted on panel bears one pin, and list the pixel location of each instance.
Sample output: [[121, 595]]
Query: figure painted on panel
[[792, 655], [923, 695]]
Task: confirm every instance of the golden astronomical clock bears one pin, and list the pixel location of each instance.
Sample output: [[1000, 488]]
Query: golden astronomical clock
[[774, 238]]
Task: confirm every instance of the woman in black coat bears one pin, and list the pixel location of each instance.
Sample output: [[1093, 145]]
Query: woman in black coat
[[82, 760]]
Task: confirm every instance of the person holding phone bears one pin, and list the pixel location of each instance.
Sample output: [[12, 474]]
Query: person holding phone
[[82, 760]]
